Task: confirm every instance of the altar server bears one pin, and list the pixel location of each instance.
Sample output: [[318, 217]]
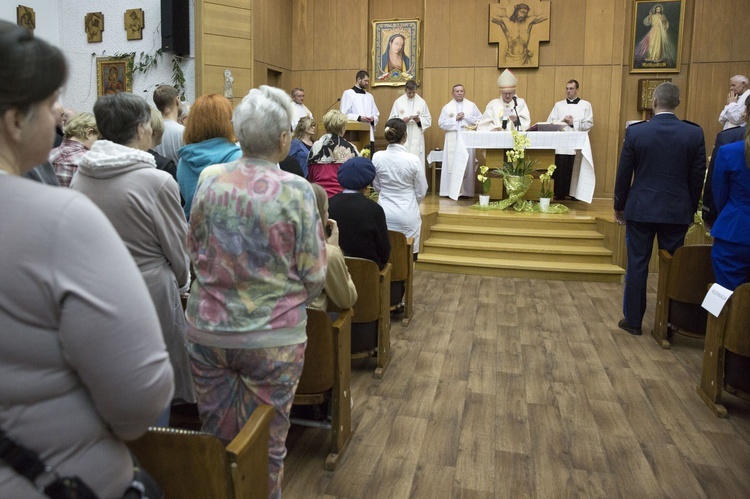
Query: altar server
[[358, 104], [578, 116]]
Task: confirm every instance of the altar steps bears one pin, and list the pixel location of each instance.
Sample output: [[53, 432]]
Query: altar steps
[[536, 246]]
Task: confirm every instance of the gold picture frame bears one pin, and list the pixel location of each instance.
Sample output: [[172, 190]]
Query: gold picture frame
[[113, 75], [646, 89], [26, 17], [134, 23], [93, 24], [393, 65], [656, 42]]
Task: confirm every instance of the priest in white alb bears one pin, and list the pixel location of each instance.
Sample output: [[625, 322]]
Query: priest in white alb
[[358, 105], [457, 177], [508, 111], [412, 109]]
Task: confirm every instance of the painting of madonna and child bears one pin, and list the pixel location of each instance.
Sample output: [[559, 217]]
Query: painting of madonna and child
[[395, 52], [657, 36]]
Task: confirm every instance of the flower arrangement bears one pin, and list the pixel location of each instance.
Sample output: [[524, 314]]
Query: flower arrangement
[[484, 179], [365, 152], [546, 191], [517, 165]]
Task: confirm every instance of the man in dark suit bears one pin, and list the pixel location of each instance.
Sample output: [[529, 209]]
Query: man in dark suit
[[665, 158], [724, 137]]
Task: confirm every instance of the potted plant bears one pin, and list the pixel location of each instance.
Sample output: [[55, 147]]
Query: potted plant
[[484, 198], [546, 193], [516, 171]]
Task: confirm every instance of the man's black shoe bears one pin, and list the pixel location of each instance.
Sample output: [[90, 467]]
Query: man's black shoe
[[636, 331]]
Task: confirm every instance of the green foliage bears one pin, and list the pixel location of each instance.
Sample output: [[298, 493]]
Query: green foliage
[[145, 62]]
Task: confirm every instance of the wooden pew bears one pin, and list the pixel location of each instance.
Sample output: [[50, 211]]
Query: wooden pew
[[371, 323], [683, 280], [193, 464], [326, 377], [402, 270]]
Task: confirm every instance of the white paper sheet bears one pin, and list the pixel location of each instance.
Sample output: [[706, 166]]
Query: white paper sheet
[[715, 299]]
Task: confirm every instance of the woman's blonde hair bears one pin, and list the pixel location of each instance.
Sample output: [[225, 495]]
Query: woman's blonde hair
[[302, 124], [157, 126], [334, 122], [79, 126]]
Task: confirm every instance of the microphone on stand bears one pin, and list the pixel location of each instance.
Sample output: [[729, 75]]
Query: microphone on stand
[[517, 121], [332, 104]]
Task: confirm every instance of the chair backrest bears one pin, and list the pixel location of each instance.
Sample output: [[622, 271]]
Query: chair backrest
[[400, 258], [194, 464], [737, 332], [690, 273], [366, 277], [318, 374]]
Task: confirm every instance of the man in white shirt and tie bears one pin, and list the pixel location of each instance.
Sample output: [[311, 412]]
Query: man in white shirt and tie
[[358, 105], [457, 115], [412, 109], [300, 109], [577, 116]]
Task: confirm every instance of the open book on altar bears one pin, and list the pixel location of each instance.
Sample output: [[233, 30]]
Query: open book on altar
[[547, 127]]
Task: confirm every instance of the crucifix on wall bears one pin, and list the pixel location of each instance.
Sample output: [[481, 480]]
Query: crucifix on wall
[[518, 27]]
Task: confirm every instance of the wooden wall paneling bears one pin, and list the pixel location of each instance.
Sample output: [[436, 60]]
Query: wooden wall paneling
[[461, 33], [740, 45], [436, 90], [599, 35], [396, 9], [714, 33], [485, 53], [226, 20], [303, 34], [223, 40], [485, 87], [272, 35], [437, 33], [353, 35], [541, 92], [602, 89], [326, 35], [566, 46]]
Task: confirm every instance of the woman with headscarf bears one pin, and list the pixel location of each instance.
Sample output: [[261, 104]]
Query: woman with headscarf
[[394, 58], [257, 247], [143, 203], [83, 364]]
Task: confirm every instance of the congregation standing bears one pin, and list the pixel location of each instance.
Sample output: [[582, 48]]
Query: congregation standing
[[154, 194]]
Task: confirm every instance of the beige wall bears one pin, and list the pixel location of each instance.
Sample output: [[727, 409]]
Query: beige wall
[[320, 44]]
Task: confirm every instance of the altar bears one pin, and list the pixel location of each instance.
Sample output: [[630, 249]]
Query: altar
[[583, 180]]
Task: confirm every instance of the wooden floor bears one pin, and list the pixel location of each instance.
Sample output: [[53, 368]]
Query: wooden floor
[[518, 388]]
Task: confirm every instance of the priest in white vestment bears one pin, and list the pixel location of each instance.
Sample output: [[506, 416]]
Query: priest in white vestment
[[300, 109], [509, 111], [358, 104], [578, 116], [412, 109], [459, 114]]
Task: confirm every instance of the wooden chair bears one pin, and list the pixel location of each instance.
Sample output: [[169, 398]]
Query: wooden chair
[[684, 279], [402, 271], [726, 357], [194, 464], [327, 376], [371, 323]]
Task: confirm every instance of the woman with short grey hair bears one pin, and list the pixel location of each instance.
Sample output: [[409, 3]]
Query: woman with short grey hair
[[256, 243], [143, 204]]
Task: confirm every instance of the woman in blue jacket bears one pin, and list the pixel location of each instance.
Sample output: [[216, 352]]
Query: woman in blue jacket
[[731, 185], [209, 139]]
